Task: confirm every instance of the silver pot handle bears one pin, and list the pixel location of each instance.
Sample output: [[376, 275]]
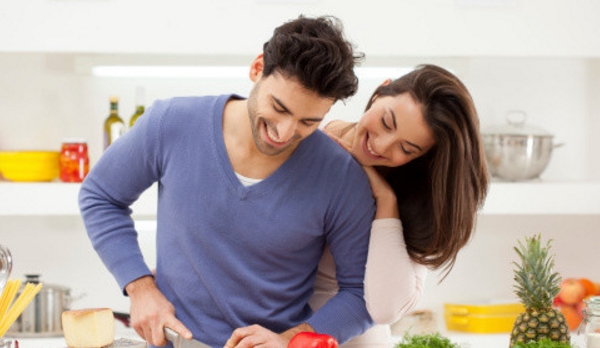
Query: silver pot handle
[[69, 299]]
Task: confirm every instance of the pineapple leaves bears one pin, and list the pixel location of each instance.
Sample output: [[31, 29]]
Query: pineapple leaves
[[536, 282]]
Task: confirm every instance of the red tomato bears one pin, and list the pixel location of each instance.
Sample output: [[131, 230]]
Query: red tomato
[[312, 340]]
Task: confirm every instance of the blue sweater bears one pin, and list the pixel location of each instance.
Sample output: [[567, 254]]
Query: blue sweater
[[229, 255]]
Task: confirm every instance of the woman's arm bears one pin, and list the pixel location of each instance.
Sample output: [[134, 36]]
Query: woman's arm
[[393, 282]]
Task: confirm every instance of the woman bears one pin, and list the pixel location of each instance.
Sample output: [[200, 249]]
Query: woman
[[420, 144]]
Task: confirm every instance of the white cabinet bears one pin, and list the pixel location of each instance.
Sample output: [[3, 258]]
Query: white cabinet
[[446, 28], [535, 198]]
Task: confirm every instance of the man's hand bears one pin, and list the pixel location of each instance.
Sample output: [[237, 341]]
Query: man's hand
[[256, 335], [151, 312]]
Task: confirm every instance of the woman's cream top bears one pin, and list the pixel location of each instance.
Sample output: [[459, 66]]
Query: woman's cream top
[[393, 282]]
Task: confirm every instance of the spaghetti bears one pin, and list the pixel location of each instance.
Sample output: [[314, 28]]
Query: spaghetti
[[9, 310]]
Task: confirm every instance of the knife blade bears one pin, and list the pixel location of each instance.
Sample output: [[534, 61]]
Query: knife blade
[[180, 342]]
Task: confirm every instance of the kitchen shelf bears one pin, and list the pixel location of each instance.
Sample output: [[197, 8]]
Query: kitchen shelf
[[58, 199], [530, 198], [543, 198]]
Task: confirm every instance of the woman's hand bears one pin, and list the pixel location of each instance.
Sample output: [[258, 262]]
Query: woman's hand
[[385, 198], [387, 203]]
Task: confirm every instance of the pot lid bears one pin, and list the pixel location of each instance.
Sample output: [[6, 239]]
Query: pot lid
[[516, 126], [35, 279]]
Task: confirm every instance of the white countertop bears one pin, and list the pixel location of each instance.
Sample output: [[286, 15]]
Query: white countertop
[[465, 340], [59, 342]]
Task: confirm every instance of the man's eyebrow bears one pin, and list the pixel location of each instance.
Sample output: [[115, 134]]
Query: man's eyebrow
[[286, 110], [281, 104]]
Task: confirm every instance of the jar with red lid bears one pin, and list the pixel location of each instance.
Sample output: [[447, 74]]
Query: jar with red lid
[[74, 161]]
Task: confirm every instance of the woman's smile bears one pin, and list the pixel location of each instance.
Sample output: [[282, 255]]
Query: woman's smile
[[368, 148]]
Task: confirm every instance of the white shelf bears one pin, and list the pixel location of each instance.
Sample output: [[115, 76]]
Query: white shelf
[[58, 199], [543, 198], [531, 198]]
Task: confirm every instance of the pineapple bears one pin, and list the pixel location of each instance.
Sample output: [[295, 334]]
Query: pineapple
[[537, 285]]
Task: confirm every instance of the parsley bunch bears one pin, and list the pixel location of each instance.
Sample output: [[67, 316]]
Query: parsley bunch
[[426, 341]]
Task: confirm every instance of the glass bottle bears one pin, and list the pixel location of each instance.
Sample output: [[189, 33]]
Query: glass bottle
[[592, 322], [139, 102], [114, 126]]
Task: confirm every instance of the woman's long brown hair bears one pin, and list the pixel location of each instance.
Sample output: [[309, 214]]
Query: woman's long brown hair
[[439, 193]]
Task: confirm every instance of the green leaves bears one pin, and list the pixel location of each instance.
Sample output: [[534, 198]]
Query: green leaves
[[426, 341], [536, 282]]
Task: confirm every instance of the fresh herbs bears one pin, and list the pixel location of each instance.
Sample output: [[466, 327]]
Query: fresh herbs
[[434, 340]]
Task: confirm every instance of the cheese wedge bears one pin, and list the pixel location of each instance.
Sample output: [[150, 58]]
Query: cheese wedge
[[89, 328]]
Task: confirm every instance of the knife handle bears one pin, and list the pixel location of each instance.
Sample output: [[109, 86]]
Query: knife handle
[[171, 335]]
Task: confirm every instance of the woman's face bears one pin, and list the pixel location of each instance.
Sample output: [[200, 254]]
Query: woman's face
[[392, 132]]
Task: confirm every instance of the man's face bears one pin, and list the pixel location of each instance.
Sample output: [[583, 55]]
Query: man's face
[[282, 113]]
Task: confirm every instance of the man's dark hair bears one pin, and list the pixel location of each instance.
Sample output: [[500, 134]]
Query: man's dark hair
[[316, 53]]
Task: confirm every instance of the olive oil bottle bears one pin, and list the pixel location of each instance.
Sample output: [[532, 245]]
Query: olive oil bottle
[[139, 109], [114, 126]]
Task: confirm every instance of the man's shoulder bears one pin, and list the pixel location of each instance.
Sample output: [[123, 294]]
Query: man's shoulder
[[334, 159], [330, 151]]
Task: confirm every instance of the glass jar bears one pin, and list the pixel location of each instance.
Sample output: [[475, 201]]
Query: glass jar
[[591, 319], [74, 161]]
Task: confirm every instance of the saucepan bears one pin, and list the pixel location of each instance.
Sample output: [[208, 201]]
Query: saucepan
[[5, 266], [42, 317], [517, 151]]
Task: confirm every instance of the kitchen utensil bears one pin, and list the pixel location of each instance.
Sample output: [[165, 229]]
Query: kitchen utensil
[[42, 318], [123, 317], [29, 166], [180, 342], [517, 151], [5, 266], [492, 317]]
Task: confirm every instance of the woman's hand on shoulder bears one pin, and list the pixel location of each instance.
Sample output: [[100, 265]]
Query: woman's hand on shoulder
[[385, 198]]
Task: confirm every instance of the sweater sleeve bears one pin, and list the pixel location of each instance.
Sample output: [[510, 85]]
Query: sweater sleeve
[[345, 315], [393, 282], [126, 169]]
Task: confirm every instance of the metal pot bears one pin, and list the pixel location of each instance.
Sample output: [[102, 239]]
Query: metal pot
[[517, 152], [5, 266], [42, 317]]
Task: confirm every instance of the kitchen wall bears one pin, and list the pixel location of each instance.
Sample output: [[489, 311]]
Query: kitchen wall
[[44, 99], [542, 63]]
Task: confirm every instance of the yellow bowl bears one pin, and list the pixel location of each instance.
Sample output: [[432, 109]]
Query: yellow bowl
[[482, 318], [29, 166]]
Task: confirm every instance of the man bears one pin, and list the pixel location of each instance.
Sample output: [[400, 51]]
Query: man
[[249, 195]]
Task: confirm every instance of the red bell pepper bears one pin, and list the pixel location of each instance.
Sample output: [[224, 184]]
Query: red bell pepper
[[312, 340]]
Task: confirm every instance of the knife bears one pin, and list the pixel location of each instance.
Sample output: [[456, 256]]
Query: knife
[[180, 342]]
